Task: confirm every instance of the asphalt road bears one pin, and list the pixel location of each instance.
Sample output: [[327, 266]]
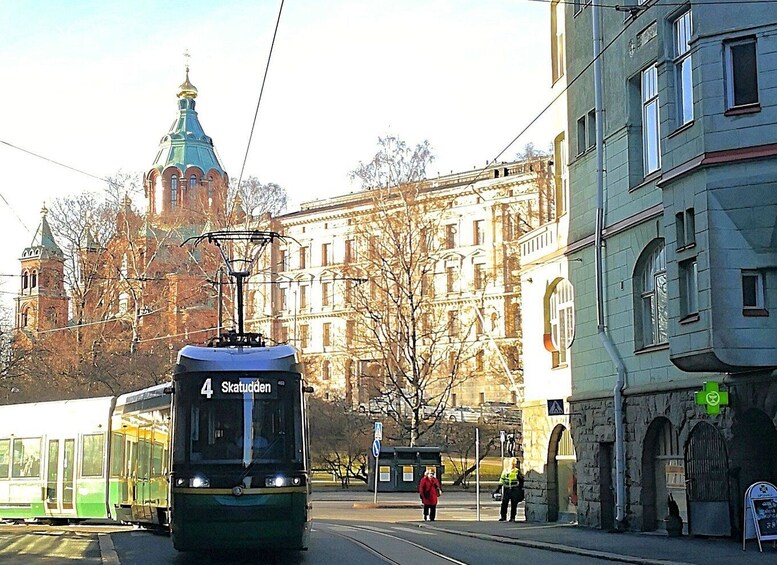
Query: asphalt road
[[331, 542]]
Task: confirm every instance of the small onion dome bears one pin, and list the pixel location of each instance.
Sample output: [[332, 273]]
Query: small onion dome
[[187, 89]]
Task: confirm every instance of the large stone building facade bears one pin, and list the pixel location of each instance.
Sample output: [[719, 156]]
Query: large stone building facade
[[673, 291], [306, 296]]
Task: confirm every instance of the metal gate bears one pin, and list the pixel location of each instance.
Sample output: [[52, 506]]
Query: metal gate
[[706, 463]]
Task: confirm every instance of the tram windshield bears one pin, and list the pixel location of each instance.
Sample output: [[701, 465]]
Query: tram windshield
[[233, 419]]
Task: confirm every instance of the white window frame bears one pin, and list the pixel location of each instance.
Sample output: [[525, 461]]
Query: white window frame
[[561, 314], [651, 279], [651, 133], [683, 29], [730, 91]]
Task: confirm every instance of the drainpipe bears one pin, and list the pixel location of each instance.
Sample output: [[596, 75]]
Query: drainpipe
[[609, 346]]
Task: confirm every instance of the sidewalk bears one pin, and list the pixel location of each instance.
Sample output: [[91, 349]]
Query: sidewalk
[[652, 548]]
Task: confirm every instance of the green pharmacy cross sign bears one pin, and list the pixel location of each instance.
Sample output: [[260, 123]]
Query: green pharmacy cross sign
[[712, 397]]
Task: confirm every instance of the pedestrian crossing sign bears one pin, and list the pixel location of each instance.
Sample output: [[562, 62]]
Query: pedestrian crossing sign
[[556, 407]]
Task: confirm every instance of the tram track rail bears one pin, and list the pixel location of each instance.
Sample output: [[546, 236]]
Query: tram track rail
[[338, 531]]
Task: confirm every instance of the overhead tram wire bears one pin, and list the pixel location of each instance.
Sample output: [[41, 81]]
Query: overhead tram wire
[[582, 4], [480, 174], [261, 92]]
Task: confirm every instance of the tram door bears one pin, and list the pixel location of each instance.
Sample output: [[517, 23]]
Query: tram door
[[60, 477]]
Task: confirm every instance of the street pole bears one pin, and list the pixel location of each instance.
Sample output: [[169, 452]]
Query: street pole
[[477, 470], [377, 471]]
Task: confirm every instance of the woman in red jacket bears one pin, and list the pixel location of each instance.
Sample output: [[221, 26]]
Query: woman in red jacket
[[429, 489]]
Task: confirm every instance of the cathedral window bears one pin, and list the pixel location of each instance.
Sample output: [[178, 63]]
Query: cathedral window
[[210, 187], [34, 279], [25, 280], [173, 191], [192, 181]]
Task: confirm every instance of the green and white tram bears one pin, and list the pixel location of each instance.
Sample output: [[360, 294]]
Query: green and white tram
[[73, 460], [240, 463]]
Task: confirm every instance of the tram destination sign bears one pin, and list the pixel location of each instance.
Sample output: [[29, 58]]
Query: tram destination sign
[[265, 389]]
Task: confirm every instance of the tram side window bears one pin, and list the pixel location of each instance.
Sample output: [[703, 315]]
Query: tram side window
[[5, 457], [117, 454], [92, 455], [26, 458], [144, 458], [156, 460]]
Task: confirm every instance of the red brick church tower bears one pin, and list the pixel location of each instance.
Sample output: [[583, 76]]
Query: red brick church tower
[[41, 303]]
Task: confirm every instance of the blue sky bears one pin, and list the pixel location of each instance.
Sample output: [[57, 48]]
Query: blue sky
[[92, 84]]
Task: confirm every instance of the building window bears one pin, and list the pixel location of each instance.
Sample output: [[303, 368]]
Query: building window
[[685, 226], [479, 318], [350, 250], [651, 136], [689, 287], [303, 297], [326, 294], [651, 307], [682, 64], [561, 315], [591, 129], [173, 191], [348, 291], [192, 181], [283, 334], [25, 280], [283, 259], [350, 327], [560, 174], [304, 335], [741, 73], [558, 44], [326, 258], [478, 233], [752, 290], [327, 333], [581, 137], [480, 361], [450, 279], [34, 279], [450, 236], [303, 257], [210, 188], [478, 276], [453, 323], [325, 370]]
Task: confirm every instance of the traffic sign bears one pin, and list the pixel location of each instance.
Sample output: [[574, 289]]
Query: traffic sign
[[376, 448], [556, 407], [378, 431]]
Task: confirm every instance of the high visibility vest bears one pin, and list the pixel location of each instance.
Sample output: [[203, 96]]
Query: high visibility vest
[[510, 478]]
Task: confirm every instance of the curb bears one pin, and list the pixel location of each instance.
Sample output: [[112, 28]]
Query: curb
[[370, 505], [558, 548]]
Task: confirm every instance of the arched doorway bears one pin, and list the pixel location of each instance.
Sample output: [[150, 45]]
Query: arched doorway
[[706, 463], [562, 477], [753, 454], [663, 473]]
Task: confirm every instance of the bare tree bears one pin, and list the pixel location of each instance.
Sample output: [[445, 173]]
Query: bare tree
[[258, 198], [342, 439], [419, 347]]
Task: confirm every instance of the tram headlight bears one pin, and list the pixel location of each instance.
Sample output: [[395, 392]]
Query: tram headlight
[[282, 481], [199, 481], [279, 481]]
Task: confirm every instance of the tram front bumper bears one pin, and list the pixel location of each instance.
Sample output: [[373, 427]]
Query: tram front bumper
[[209, 519]]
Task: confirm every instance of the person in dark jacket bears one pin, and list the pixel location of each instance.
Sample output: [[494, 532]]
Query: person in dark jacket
[[429, 490], [511, 481]]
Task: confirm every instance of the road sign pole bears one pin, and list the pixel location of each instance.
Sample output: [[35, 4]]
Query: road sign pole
[[477, 470], [377, 472]]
